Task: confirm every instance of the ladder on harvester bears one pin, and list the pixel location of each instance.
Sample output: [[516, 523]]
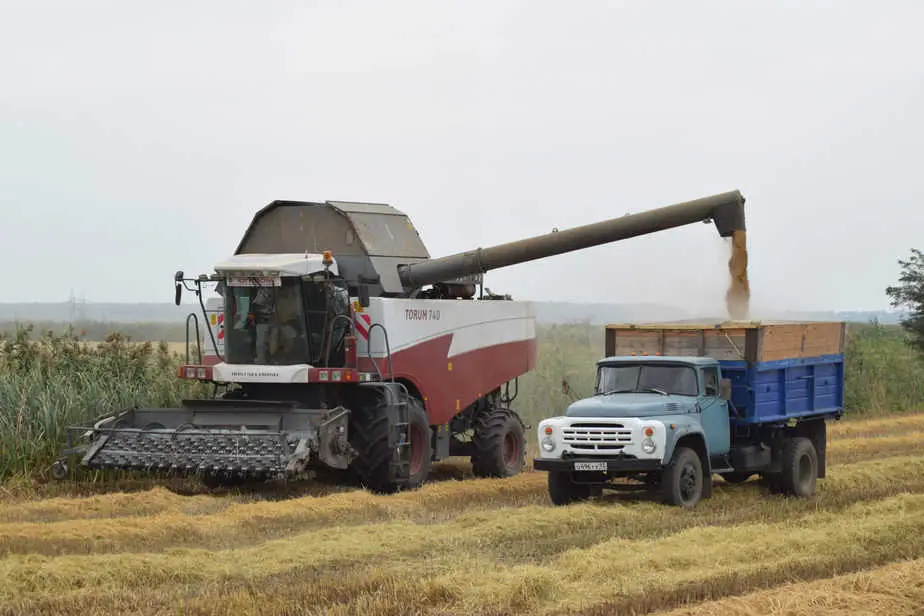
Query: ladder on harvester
[[399, 437], [399, 440]]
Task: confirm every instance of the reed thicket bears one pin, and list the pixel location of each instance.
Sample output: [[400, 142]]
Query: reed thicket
[[52, 381]]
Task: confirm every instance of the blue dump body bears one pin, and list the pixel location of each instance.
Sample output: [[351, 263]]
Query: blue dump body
[[779, 371], [776, 391]]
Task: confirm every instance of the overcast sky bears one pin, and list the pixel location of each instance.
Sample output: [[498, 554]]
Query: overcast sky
[[139, 138]]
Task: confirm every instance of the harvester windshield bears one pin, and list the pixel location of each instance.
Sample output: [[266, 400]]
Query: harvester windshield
[[267, 324], [284, 323]]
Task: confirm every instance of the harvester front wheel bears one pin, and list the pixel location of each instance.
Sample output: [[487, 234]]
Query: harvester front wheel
[[370, 430], [499, 442], [421, 445]]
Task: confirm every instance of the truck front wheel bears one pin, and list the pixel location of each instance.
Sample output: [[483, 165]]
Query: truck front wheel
[[682, 479], [800, 467], [563, 491]]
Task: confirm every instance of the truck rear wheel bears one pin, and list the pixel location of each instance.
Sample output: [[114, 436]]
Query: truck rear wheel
[[563, 491], [500, 446], [682, 479], [800, 467]]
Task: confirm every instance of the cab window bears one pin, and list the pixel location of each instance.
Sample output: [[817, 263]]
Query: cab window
[[711, 381]]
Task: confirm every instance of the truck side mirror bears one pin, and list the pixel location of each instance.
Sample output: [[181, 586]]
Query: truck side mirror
[[725, 389], [364, 295]]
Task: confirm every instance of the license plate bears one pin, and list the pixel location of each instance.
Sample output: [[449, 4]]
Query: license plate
[[590, 466]]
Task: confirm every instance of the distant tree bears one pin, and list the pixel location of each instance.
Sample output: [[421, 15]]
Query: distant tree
[[909, 293]]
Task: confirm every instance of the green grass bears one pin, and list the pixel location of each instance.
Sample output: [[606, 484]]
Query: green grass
[[882, 373], [49, 381]]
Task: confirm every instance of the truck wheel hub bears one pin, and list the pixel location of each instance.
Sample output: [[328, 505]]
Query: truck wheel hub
[[688, 482]]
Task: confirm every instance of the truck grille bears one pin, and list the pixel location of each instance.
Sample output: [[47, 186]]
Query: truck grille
[[597, 437]]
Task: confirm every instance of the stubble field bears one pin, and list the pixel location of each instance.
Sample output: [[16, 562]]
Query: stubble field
[[482, 546], [461, 545]]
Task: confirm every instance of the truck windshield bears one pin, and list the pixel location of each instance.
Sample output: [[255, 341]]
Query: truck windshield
[[638, 378], [266, 324]]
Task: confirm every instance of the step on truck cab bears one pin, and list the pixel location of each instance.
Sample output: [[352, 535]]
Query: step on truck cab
[[674, 404]]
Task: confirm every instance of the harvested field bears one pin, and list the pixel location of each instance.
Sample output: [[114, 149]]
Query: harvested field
[[896, 590], [479, 546]]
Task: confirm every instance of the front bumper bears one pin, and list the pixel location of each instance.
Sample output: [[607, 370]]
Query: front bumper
[[613, 465]]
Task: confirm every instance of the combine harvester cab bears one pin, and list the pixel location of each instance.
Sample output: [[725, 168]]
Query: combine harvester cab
[[676, 403], [336, 342]]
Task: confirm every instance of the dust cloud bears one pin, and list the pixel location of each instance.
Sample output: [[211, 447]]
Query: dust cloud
[[737, 299]]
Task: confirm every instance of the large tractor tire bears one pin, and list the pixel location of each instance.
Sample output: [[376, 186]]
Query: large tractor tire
[[421, 444], [369, 434], [499, 444]]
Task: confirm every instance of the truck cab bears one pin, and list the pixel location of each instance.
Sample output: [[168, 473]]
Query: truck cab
[[642, 410]]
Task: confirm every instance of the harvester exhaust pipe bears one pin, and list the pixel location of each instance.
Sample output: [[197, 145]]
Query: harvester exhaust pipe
[[725, 210]]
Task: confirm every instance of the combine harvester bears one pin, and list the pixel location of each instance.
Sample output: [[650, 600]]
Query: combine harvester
[[344, 346]]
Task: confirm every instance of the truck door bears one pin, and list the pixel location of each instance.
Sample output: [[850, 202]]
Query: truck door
[[714, 413]]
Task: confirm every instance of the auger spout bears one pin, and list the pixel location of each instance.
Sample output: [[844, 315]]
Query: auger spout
[[725, 210]]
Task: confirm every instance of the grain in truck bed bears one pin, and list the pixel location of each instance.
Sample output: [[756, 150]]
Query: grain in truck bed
[[751, 341]]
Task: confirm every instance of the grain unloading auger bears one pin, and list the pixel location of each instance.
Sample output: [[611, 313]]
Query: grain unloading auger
[[337, 342]]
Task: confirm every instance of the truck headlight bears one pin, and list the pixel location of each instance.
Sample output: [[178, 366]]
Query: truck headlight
[[548, 444], [648, 446]]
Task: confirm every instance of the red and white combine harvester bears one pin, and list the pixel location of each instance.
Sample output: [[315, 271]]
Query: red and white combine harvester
[[337, 342]]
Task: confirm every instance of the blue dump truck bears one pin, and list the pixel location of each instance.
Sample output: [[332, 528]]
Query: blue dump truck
[[675, 404]]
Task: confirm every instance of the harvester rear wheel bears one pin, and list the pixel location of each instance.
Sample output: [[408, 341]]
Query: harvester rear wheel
[[500, 446], [369, 433]]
